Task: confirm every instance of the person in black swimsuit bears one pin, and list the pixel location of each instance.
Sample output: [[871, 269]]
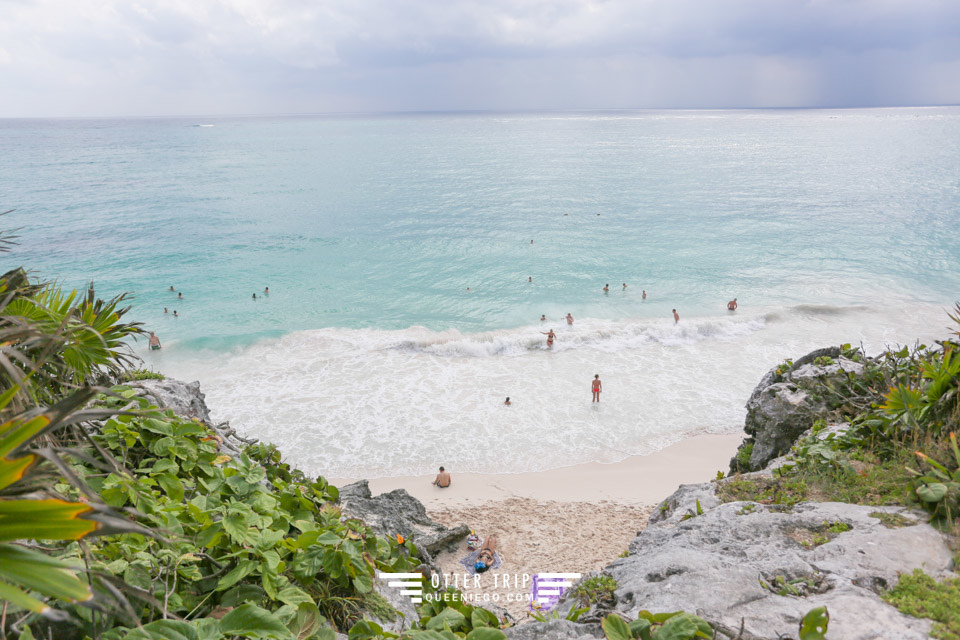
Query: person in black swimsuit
[[485, 557]]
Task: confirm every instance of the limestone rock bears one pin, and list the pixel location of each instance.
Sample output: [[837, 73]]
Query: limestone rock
[[713, 564], [185, 399], [399, 512], [783, 406], [555, 630]]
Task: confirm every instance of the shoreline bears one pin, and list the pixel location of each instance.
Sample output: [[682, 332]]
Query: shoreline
[[571, 519], [635, 481]]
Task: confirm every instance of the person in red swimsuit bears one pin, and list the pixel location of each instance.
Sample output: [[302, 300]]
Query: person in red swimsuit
[[597, 388]]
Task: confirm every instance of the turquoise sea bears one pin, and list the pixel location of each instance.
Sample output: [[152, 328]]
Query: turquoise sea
[[370, 357]]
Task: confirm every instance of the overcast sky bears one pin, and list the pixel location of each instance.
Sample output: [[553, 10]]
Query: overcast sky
[[171, 57]]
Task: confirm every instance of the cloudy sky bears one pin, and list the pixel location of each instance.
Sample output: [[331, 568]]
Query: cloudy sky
[[170, 57]]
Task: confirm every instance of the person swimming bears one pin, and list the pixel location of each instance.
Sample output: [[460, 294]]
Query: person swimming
[[551, 336], [543, 318], [606, 288], [266, 291], [179, 295], [732, 305]]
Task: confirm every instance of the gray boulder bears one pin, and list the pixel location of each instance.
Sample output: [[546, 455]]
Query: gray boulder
[[733, 563], [785, 405], [399, 512], [554, 630]]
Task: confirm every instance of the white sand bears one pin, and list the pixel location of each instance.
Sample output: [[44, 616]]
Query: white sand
[[575, 519]]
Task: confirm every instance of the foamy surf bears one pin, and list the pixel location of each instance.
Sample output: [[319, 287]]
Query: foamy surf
[[369, 403]]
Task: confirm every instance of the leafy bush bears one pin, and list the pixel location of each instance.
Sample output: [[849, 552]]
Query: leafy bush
[[141, 374], [596, 590]]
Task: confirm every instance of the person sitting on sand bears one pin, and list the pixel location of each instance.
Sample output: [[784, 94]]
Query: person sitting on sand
[[485, 557], [732, 305], [551, 336], [569, 320], [507, 402], [443, 479], [154, 341]]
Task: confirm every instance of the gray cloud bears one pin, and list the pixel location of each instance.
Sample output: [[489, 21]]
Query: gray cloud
[[106, 57]]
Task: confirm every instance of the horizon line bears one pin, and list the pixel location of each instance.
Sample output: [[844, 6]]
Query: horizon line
[[290, 114]]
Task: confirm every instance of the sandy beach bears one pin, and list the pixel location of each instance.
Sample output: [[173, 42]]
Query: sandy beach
[[575, 519]]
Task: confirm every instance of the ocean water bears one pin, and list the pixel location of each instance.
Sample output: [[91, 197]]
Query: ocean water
[[370, 357]]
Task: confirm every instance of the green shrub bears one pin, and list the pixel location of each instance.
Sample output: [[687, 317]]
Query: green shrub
[[596, 590]]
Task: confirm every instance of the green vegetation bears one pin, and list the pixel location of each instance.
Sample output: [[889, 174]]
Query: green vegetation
[[141, 374], [776, 490], [743, 455], [823, 361], [657, 626], [921, 596], [572, 615], [892, 520], [596, 590]]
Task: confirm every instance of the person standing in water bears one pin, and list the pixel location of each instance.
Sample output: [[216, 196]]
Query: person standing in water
[[443, 479], [597, 388], [676, 317], [551, 336], [606, 288], [569, 320], [154, 341], [543, 318], [266, 291], [507, 401], [529, 278], [165, 310], [179, 295], [624, 286], [732, 305], [175, 314], [644, 294]]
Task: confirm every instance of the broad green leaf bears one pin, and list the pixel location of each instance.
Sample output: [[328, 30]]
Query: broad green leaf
[[933, 492], [640, 628], [307, 622], [814, 624], [171, 485], [294, 596], [683, 626], [482, 618], [449, 617], [486, 633], [235, 575], [164, 630], [363, 583], [616, 629], [250, 621]]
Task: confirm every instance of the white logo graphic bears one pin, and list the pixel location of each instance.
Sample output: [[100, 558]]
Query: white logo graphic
[[548, 587], [410, 584]]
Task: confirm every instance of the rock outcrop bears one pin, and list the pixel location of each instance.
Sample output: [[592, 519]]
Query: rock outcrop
[[185, 399], [787, 403], [764, 567], [399, 512]]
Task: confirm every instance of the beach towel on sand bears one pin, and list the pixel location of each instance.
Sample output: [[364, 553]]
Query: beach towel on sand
[[471, 559]]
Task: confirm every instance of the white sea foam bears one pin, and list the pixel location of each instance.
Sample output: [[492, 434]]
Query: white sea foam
[[368, 403]]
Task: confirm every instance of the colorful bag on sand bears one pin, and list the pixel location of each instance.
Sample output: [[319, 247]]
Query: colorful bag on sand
[[473, 541]]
